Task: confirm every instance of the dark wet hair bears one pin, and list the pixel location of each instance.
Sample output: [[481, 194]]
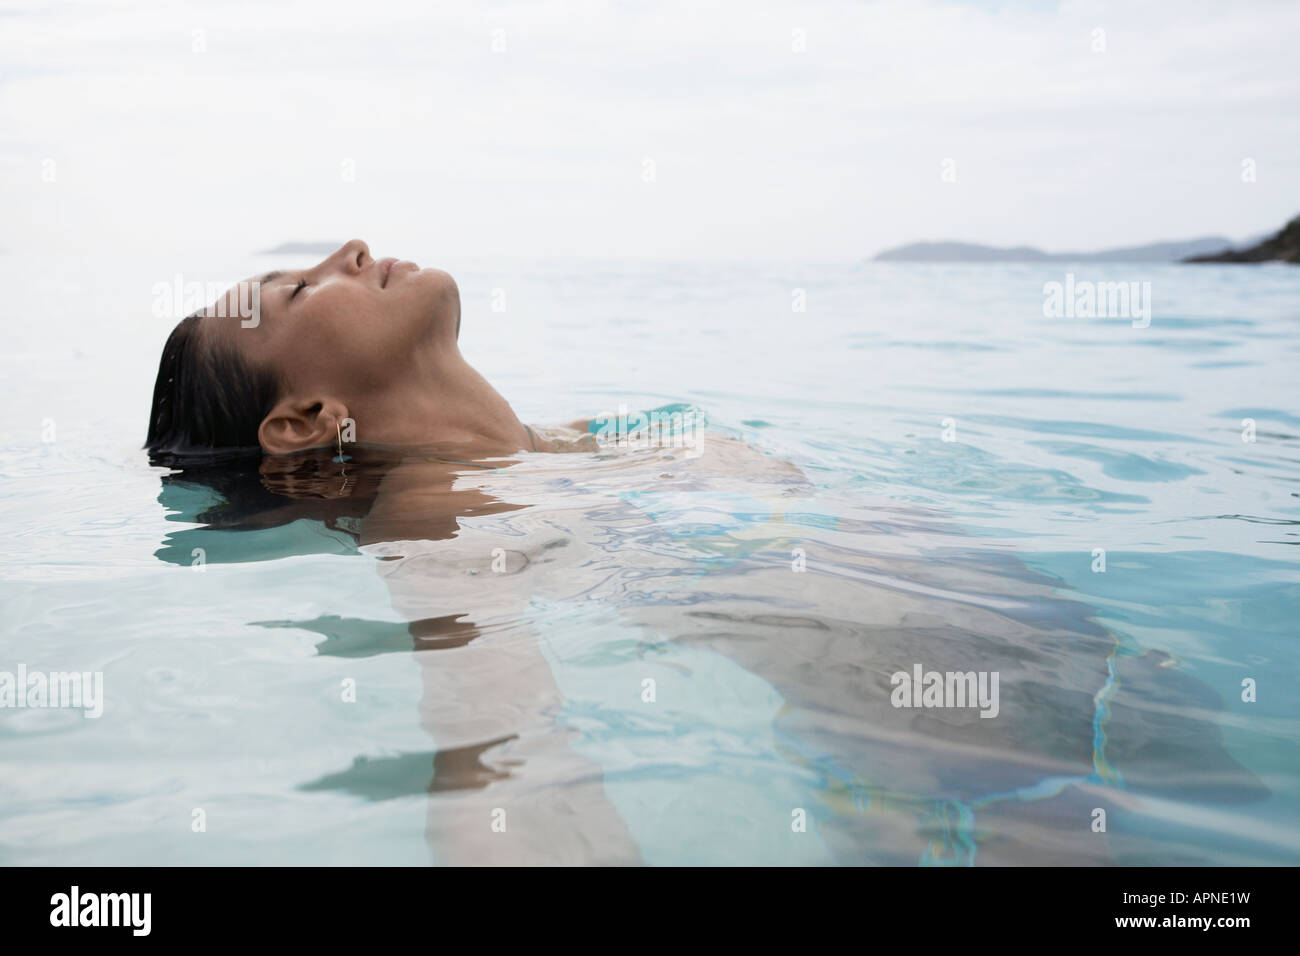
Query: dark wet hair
[[208, 401]]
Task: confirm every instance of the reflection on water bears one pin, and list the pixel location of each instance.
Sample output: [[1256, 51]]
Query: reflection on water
[[648, 657]]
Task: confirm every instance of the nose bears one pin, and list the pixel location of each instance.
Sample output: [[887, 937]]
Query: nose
[[351, 257]]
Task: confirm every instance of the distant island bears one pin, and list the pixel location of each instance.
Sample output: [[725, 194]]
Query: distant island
[[1284, 246], [301, 248], [973, 252]]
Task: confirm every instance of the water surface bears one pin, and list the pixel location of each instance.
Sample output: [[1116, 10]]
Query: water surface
[[525, 690]]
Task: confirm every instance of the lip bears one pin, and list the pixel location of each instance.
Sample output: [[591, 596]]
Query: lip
[[385, 268]]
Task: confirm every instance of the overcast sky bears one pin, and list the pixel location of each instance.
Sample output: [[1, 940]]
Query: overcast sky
[[531, 128]]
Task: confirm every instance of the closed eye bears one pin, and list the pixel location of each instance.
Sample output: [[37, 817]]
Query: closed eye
[[298, 287]]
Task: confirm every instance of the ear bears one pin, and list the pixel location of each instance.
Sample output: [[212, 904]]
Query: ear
[[297, 423]]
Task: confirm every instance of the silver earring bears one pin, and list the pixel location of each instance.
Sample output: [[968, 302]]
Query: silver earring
[[338, 431]]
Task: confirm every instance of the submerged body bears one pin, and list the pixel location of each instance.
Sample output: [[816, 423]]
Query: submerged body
[[586, 625]]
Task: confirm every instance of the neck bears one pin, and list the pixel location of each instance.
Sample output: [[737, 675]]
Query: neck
[[449, 403]]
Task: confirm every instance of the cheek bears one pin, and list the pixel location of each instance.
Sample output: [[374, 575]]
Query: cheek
[[340, 329], [347, 342], [364, 350], [316, 351]]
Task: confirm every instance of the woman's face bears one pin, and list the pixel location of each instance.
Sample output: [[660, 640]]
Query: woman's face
[[347, 325], [373, 342]]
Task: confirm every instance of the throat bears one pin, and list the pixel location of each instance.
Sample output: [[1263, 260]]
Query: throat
[[454, 406]]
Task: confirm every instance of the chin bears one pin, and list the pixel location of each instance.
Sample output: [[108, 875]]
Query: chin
[[442, 298], [447, 307], [439, 286]]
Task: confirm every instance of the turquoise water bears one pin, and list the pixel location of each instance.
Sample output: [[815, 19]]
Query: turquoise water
[[644, 676]]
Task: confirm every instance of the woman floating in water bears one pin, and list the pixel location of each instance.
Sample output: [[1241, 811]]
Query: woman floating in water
[[676, 649]]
